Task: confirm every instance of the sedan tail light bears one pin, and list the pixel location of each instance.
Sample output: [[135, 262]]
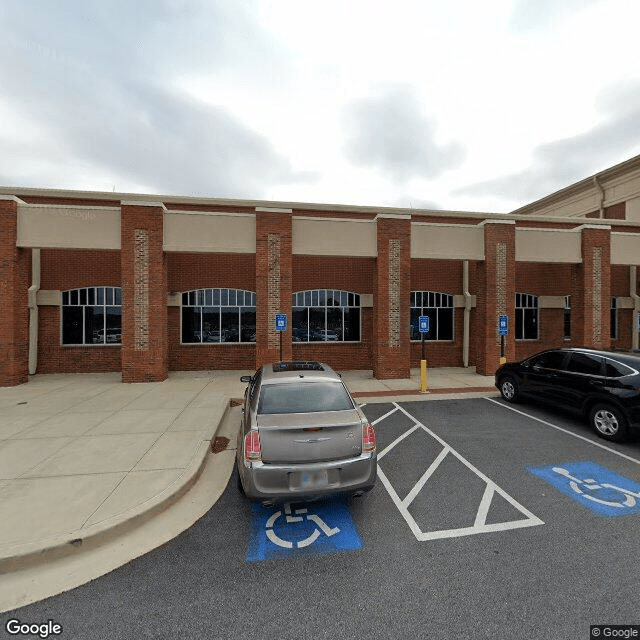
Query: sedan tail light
[[368, 439], [252, 450]]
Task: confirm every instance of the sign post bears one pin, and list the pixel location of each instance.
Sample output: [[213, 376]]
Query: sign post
[[423, 326], [503, 330], [281, 325]]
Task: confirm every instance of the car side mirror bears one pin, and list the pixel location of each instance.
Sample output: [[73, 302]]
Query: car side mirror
[[246, 378]]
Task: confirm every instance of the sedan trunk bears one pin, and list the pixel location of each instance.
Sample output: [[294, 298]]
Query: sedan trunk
[[293, 438]]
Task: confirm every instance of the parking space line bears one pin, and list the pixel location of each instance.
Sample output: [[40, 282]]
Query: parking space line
[[386, 415], [396, 441], [427, 474], [575, 435], [479, 525]]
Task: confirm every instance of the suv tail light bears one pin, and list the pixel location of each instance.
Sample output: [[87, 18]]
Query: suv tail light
[[252, 450], [368, 439]]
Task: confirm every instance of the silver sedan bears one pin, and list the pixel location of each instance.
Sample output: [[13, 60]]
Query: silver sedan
[[303, 436]]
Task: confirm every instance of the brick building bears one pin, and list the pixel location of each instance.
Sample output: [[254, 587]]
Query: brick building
[[150, 284]]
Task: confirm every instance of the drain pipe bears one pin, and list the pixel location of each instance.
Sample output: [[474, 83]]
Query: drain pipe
[[33, 310], [467, 313], [601, 190], [636, 305]]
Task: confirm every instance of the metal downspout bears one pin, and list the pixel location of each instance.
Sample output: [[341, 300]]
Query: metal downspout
[[33, 310], [601, 190], [636, 305], [467, 313]]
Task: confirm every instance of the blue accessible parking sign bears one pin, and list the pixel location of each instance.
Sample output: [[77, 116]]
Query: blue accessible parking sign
[[281, 322], [604, 492], [423, 324], [301, 529]]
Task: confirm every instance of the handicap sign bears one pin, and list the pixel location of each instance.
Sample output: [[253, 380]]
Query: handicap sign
[[281, 322], [423, 324], [301, 529], [604, 492], [503, 325]]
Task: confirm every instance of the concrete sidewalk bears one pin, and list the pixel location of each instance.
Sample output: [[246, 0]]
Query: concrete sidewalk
[[86, 459]]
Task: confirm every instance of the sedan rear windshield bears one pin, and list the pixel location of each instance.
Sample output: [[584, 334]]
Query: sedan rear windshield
[[304, 397]]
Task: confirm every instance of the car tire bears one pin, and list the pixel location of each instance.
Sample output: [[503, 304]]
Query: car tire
[[509, 389], [608, 422], [239, 483]]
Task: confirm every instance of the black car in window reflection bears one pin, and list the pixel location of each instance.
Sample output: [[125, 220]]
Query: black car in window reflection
[[602, 386]]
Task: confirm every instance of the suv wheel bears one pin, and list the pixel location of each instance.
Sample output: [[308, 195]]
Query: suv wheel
[[608, 422], [509, 389]]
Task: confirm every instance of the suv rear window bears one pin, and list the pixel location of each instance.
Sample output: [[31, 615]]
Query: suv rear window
[[304, 397]]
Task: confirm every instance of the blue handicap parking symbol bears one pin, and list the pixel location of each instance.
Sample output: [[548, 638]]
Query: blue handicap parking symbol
[[604, 492], [314, 528]]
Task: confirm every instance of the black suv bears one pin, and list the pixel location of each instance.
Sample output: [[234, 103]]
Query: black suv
[[603, 386]]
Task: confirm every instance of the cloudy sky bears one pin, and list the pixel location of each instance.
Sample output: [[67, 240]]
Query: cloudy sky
[[455, 104]]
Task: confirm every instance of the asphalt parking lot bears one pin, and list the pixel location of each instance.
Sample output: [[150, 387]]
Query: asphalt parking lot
[[485, 523]]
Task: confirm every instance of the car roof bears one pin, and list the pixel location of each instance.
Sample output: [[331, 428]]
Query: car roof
[[293, 371], [629, 358]]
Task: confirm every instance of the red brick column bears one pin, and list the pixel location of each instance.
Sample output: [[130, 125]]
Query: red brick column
[[591, 290], [496, 295], [15, 269], [391, 313], [144, 293], [273, 284]]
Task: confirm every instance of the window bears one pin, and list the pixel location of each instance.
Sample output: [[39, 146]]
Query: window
[[439, 308], [586, 364], [549, 360], [92, 315], [614, 318], [526, 317], [615, 369], [304, 398], [567, 317], [325, 315], [218, 315]]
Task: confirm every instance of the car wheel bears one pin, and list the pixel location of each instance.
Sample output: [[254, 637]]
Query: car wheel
[[509, 389], [608, 422]]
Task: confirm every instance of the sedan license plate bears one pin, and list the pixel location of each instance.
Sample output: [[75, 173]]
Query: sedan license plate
[[309, 479]]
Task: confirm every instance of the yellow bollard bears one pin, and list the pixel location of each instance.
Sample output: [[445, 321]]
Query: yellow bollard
[[503, 360], [423, 376]]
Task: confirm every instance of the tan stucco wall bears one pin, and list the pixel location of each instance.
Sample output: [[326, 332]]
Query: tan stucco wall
[[210, 232], [327, 237], [548, 245], [68, 227], [447, 241], [625, 248]]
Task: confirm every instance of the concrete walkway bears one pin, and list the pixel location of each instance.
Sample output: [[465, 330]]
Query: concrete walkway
[[87, 461]]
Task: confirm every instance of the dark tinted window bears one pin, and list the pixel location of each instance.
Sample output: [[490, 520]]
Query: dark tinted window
[[583, 363], [550, 360], [304, 397], [616, 369]]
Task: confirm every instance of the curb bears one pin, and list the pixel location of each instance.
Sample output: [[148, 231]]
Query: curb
[[16, 557]]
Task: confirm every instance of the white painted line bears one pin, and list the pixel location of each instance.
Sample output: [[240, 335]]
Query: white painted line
[[396, 500], [491, 489], [427, 474], [397, 440], [485, 503], [386, 415], [575, 435]]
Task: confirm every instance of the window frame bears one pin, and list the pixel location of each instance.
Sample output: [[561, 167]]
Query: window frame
[[613, 318], [528, 302], [437, 295], [318, 299], [212, 298], [104, 305]]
